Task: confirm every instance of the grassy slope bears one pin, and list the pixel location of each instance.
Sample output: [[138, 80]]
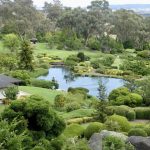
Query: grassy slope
[[42, 48], [47, 94]]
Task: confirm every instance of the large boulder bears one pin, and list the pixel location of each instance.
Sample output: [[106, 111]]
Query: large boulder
[[95, 142], [140, 143]]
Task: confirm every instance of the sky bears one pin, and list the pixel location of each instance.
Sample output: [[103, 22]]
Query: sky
[[84, 3]]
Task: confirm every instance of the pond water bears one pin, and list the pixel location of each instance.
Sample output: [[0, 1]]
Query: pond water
[[66, 79]]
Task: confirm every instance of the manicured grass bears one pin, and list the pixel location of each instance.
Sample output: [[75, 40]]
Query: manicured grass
[[42, 48], [77, 113], [47, 94]]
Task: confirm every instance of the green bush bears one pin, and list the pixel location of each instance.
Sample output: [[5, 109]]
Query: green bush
[[124, 111], [137, 132], [59, 101], [142, 112], [121, 121], [93, 128], [94, 44], [113, 143], [147, 129], [72, 106], [44, 84], [73, 130], [144, 54], [22, 75]]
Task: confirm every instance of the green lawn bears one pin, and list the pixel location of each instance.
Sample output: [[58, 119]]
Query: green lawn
[[42, 48], [47, 94], [77, 114]]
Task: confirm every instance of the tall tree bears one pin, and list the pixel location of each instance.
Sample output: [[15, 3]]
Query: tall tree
[[26, 55]]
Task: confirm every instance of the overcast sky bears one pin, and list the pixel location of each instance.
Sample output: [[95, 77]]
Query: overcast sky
[[84, 3]]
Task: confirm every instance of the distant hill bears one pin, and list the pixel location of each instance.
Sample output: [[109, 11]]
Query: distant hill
[[143, 9]]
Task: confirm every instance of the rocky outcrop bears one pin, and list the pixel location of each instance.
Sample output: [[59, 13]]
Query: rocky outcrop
[[140, 143]]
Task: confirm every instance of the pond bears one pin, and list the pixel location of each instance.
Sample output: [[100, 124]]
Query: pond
[[66, 79]]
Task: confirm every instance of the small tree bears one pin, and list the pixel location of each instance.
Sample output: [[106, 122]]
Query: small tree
[[102, 104], [81, 56], [26, 56], [11, 92], [11, 41]]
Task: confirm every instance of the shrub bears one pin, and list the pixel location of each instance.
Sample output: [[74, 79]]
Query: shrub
[[73, 130], [93, 128], [72, 106], [147, 129], [59, 101], [44, 84], [144, 54], [81, 56], [142, 112], [124, 111], [11, 92], [122, 122], [137, 132], [113, 143], [22, 75], [94, 44]]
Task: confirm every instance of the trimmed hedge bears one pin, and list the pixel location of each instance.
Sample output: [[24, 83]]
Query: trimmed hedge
[[124, 111], [44, 84], [142, 112], [93, 128], [137, 132]]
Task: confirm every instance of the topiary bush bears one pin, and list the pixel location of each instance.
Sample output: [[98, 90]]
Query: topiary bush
[[137, 132], [72, 106], [93, 128], [142, 112], [121, 121], [59, 101], [122, 110]]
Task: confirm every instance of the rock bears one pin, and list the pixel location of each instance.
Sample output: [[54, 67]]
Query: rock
[[140, 143], [95, 142]]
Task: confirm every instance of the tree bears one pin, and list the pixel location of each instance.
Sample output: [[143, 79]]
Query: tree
[[102, 91], [41, 120], [11, 41], [26, 55], [11, 92]]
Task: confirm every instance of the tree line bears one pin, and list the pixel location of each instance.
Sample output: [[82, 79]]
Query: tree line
[[97, 27]]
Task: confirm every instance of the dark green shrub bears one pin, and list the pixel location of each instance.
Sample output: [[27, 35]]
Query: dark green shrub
[[137, 132], [122, 122], [94, 44], [92, 128], [44, 84], [113, 143], [81, 56], [142, 112]]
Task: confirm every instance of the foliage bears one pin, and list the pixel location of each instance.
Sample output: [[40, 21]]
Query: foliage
[[101, 111], [22, 75], [81, 56], [26, 56], [94, 44], [59, 101], [121, 121], [122, 96], [142, 112], [144, 54], [113, 143], [11, 92], [124, 111], [92, 128], [44, 84], [9, 138], [40, 118], [11, 41], [73, 130], [72, 106], [137, 132]]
